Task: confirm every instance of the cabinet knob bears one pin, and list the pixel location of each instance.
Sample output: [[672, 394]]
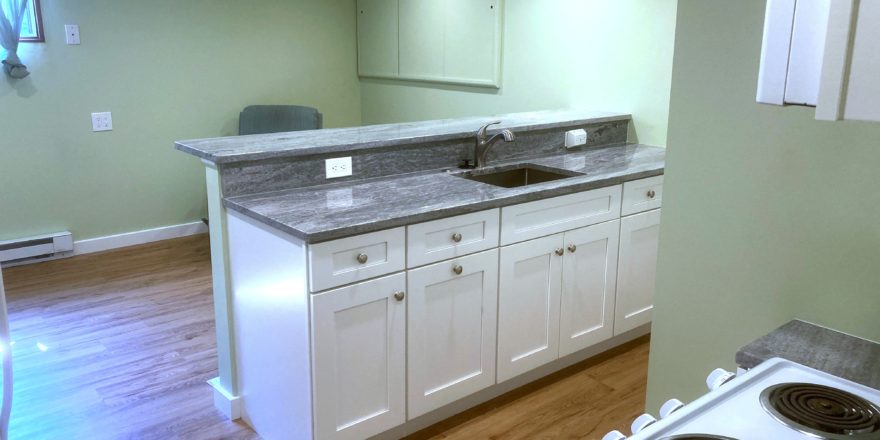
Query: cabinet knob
[[572, 248], [651, 194], [399, 295], [456, 237], [560, 251], [362, 258], [457, 269]]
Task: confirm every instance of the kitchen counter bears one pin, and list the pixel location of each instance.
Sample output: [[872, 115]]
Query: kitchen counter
[[351, 139], [818, 347], [327, 212]]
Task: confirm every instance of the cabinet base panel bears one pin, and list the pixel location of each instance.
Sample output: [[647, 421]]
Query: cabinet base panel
[[496, 390]]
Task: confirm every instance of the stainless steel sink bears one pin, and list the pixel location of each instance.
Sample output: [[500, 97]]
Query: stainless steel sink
[[518, 175]]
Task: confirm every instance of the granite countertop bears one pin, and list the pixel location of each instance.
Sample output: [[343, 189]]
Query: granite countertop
[[327, 212], [818, 347], [310, 142]]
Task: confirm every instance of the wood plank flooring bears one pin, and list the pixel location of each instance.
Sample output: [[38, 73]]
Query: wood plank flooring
[[118, 345]]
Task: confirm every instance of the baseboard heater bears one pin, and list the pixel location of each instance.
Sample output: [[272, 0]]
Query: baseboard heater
[[43, 247]]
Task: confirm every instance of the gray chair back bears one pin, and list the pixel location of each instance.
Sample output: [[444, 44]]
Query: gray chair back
[[257, 119]]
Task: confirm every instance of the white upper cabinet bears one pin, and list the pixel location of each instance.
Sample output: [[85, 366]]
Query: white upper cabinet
[[377, 37], [822, 53], [851, 68], [444, 41]]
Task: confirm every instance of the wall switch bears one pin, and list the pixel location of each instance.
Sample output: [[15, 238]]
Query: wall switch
[[71, 32], [338, 167], [575, 138], [102, 121]]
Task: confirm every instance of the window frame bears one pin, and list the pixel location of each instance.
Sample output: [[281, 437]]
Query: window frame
[[40, 36]]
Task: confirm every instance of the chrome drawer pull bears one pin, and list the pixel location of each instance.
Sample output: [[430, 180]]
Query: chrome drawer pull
[[399, 295], [362, 258], [560, 251], [572, 248], [457, 269], [651, 194], [456, 237]]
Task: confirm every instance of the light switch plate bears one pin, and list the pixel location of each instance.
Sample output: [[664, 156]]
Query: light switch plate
[[102, 121], [71, 32], [338, 167]]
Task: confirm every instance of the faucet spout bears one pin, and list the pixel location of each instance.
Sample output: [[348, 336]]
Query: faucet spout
[[484, 142]]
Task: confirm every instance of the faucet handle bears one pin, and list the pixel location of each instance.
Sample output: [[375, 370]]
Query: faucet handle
[[482, 130]]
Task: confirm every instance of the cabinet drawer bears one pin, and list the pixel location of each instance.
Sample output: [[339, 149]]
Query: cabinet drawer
[[357, 258], [452, 237], [642, 195], [545, 217]]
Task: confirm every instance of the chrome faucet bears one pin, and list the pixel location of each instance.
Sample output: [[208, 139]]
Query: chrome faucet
[[483, 142]]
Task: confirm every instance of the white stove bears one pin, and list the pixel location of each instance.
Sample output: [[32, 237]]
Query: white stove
[[778, 400]]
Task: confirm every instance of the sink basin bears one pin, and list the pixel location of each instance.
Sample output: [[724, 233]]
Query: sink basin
[[518, 175]]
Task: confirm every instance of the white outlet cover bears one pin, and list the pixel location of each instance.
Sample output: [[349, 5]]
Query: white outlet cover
[[575, 138], [102, 121], [338, 167], [71, 32]]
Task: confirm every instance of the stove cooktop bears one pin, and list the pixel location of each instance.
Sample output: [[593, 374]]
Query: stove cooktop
[[780, 400]]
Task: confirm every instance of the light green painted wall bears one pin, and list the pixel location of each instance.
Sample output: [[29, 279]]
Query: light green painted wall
[[168, 70], [613, 55], [768, 215]]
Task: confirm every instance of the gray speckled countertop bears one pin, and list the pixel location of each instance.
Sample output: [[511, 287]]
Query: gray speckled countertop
[[327, 212], [818, 347], [311, 142]]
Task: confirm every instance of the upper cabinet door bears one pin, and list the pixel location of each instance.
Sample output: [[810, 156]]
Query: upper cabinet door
[[377, 35], [850, 89], [473, 41], [445, 41], [637, 270], [589, 277], [528, 305], [359, 359], [451, 329]]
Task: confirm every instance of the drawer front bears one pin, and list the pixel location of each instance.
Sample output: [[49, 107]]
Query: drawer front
[[357, 258], [545, 217], [452, 237], [642, 195]]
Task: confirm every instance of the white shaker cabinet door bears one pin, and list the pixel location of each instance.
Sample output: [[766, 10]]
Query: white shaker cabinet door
[[637, 270], [589, 277], [528, 305], [451, 313], [359, 359]]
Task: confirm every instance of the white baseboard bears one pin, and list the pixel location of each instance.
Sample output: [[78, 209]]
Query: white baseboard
[[138, 237], [226, 403]]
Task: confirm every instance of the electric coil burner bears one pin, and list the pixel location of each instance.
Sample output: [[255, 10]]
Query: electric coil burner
[[822, 411]]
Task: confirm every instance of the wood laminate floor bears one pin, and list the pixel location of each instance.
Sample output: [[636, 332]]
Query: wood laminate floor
[[118, 345]]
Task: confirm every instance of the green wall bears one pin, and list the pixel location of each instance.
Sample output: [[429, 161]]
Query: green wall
[[768, 215], [613, 55], [168, 70]]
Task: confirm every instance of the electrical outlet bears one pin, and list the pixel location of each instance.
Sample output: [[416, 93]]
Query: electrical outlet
[[575, 138], [71, 32], [338, 167], [102, 121]]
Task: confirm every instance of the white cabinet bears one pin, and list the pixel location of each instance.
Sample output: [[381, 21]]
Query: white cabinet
[[451, 237], [528, 305], [556, 296], [445, 41], [377, 38], [359, 358], [589, 276], [851, 65], [347, 260], [452, 310], [637, 270], [822, 53]]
